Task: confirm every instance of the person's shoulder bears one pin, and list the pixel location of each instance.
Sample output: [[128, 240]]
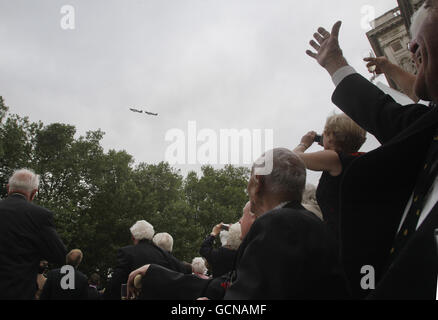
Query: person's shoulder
[[289, 215]]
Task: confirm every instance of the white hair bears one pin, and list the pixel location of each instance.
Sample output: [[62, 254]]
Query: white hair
[[309, 200], [417, 19], [24, 180], [231, 238], [142, 230], [198, 265], [288, 175], [164, 241]]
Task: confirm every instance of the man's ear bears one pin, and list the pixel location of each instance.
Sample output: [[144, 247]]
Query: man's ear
[[259, 183], [33, 194]]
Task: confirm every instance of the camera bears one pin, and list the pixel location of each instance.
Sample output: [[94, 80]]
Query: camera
[[318, 139], [225, 227]]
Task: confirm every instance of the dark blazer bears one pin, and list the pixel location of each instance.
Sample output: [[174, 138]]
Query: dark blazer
[[52, 289], [133, 257], [376, 189], [288, 254], [27, 235], [220, 260]]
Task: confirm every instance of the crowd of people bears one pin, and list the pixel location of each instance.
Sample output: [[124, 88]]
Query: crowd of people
[[376, 209]]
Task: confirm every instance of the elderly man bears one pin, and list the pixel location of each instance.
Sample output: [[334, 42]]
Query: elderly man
[[389, 196], [286, 252], [27, 236], [53, 289], [142, 251]]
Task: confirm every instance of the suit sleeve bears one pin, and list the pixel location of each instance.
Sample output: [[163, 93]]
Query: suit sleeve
[[161, 283], [373, 110], [51, 246], [207, 251], [119, 276]]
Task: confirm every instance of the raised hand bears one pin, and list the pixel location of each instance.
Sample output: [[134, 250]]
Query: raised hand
[[381, 64], [328, 52]]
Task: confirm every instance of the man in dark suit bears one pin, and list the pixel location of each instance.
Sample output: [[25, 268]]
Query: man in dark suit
[[27, 236], [389, 196], [220, 260], [67, 283], [286, 253], [143, 251]]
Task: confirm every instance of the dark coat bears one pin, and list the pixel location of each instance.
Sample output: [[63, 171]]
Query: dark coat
[[52, 289], [133, 257], [27, 235], [220, 260], [376, 189], [288, 254]]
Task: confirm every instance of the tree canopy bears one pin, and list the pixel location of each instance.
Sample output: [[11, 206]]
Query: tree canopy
[[96, 195]]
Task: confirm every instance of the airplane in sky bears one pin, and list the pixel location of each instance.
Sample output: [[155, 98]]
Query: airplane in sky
[[141, 111]]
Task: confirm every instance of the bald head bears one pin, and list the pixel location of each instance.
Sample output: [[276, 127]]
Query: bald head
[[74, 258], [24, 181]]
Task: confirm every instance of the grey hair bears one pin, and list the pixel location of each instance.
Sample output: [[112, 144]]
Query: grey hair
[[198, 265], [309, 201], [24, 180], [164, 241], [234, 233], [142, 230], [417, 19], [288, 174]]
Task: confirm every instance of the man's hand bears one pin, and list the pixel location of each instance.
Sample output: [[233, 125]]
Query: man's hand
[[328, 53], [132, 291], [381, 64], [217, 229]]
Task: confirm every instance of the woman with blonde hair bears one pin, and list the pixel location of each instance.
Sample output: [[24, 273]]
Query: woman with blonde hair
[[341, 139]]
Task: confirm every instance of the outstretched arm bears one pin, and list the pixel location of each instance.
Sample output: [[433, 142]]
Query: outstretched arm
[[404, 80]]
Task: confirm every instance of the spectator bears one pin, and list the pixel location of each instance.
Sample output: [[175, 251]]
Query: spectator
[[27, 236], [275, 227], [309, 200], [53, 289], [164, 241], [143, 251], [93, 287], [199, 268], [389, 217], [221, 260], [41, 278], [342, 138]]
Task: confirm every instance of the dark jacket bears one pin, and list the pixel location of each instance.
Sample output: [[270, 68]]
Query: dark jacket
[[133, 257], [288, 254], [220, 260], [53, 290], [27, 235], [376, 189]]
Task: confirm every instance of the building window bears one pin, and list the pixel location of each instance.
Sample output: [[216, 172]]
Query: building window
[[396, 46]]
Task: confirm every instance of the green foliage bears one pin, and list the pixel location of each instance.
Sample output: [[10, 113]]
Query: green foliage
[[96, 196]]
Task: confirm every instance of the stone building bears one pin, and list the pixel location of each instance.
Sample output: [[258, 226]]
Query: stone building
[[390, 35]]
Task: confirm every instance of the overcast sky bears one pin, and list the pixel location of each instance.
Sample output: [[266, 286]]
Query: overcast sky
[[222, 63]]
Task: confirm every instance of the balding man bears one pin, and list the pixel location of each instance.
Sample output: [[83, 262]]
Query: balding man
[[56, 288], [27, 236], [286, 253]]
